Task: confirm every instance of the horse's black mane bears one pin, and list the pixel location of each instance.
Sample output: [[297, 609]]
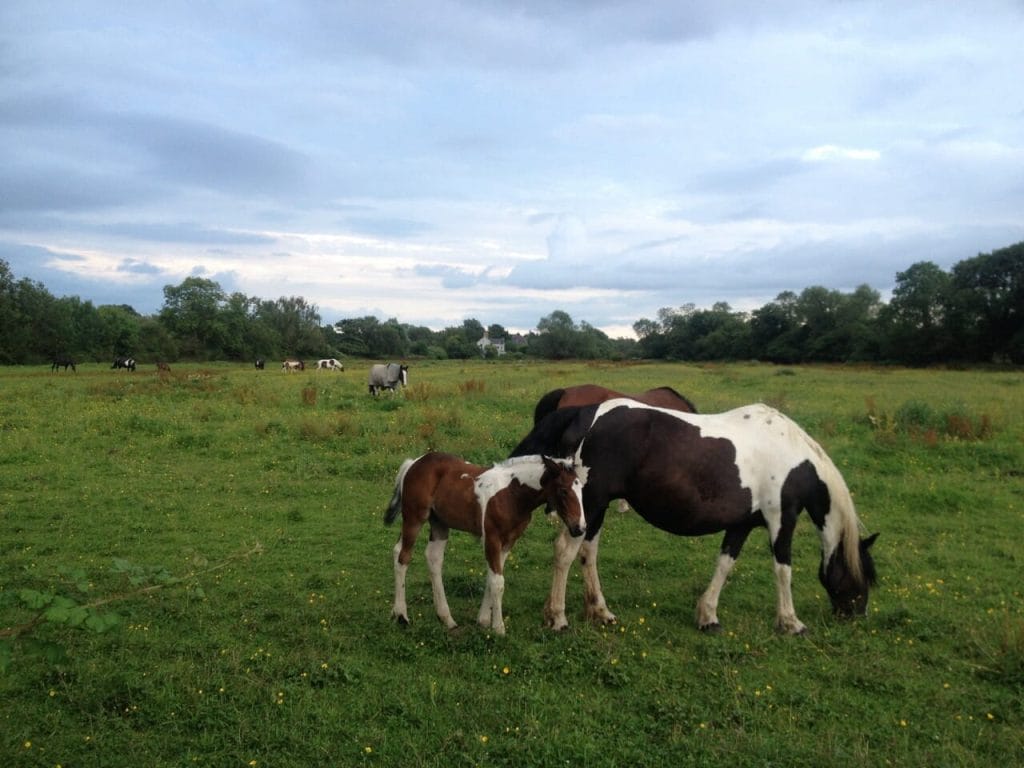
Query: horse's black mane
[[558, 433], [547, 404]]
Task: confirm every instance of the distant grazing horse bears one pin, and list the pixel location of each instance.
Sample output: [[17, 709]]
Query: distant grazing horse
[[387, 377], [128, 363], [692, 474], [163, 367], [260, 363], [330, 364], [592, 394], [292, 364], [64, 361], [493, 503]]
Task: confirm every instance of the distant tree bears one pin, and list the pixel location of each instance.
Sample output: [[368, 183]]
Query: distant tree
[[192, 314], [914, 323], [987, 305]]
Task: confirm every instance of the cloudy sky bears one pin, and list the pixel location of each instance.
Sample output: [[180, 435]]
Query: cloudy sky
[[440, 160]]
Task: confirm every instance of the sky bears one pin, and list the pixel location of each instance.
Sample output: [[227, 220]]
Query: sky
[[442, 160]]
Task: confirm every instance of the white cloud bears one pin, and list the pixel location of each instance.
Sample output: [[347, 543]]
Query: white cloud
[[831, 152]]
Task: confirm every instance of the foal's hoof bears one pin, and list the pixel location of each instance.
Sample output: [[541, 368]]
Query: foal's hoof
[[711, 629], [400, 620]]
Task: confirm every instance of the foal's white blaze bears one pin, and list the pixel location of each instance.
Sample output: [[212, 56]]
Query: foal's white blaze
[[528, 470]]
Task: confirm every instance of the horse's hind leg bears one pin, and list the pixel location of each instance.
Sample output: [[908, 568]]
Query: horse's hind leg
[[435, 563], [594, 603], [399, 610]]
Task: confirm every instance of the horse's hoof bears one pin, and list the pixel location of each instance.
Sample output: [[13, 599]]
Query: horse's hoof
[[711, 629], [402, 621]]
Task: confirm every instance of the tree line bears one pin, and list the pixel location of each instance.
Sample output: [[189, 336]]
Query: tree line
[[970, 314]]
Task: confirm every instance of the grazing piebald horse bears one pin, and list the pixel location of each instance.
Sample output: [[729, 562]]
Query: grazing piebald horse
[[128, 363], [260, 363], [592, 394], [291, 364], [329, 364], [493, 503], [692, 474], [63, 361], [387, 377]]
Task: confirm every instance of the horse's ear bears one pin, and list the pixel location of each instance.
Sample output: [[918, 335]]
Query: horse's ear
[[550, 463], [866, 543]]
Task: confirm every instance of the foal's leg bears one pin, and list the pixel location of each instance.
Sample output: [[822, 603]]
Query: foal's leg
[[593, 598], [566, 548], [707, 605], [402, 555], [435, 562], [490, 607]]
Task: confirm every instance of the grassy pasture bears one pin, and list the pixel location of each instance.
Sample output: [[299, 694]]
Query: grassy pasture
[[114, 484]]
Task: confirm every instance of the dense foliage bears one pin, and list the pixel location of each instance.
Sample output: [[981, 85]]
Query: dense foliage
[[972, 313]]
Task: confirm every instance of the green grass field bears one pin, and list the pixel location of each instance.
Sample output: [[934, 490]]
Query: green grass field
[[232, 520]]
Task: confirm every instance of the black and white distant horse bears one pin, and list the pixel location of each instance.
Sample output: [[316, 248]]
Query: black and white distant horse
[[128, 363], [260, 363], [691, 475], [63, 361], [387, 377], [291, 364], [329, 364]]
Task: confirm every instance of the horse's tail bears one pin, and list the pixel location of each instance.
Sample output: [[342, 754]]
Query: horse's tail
[[395, 505], [547, 404]]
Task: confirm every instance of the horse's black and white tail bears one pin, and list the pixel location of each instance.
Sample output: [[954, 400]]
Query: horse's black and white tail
[[395, 505]]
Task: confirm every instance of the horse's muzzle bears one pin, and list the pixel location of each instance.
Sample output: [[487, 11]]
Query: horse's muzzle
[[577, 530]]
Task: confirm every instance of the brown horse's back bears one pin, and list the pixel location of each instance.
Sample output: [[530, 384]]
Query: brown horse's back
[[592, 394]]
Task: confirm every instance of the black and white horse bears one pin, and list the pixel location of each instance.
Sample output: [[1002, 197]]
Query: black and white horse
[[387, 377], [260, 363], [63, 361], [128, 363], [691, 475], [329, 364], [291, 364]]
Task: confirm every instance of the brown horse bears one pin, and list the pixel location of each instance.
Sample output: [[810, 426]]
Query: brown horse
[[494, 503], [592, 394]]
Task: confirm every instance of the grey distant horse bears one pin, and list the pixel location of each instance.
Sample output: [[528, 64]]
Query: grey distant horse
[[387, 377]]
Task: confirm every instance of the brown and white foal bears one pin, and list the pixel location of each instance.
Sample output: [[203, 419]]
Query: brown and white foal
[[493, 503]]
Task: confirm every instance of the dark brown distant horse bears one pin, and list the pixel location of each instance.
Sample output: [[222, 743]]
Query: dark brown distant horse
[[592, 394], [494, 503]]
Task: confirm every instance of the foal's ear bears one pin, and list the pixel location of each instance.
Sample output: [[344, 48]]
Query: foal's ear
[[866, 543], [551, 465]]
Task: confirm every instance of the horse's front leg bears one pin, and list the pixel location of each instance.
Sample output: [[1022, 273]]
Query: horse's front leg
[[595, 607], [435, 563], [781, 536], [707, 605], [566, 547], [785, 619], [491, 607]]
